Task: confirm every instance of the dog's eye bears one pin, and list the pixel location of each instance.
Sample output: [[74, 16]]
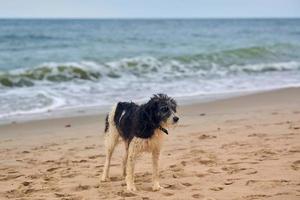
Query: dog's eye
[[164, 109]]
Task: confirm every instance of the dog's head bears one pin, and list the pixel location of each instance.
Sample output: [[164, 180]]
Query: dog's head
[[158, 112], [164, 109]]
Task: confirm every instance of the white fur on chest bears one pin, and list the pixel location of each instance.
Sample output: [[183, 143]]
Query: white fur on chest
[[149, 145]]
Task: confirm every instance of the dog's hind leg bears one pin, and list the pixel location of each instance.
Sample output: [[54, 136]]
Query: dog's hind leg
[[111, 140], [124, 163]]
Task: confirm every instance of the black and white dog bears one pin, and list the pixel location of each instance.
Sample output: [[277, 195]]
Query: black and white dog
[[142, 128]]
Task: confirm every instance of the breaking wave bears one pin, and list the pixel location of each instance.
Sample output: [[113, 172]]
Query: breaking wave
[[204, 65]]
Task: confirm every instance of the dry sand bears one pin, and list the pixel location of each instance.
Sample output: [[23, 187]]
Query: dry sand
[[241, 148]]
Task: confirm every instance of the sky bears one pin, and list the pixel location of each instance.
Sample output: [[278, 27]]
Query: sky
[[149, 8]]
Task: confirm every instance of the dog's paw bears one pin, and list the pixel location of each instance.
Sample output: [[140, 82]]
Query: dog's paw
[[104, 179], [131, 188], [156, 187]]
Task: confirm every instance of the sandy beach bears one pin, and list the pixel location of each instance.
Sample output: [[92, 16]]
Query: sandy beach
[[245, 147]]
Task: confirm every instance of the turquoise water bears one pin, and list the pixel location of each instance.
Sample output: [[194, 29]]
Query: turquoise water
[[61, 64]]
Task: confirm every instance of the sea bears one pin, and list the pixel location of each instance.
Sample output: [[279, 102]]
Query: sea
[[49, 65]]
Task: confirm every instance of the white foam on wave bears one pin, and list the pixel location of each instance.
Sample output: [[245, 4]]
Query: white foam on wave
[[261, 67], [31, 105], [138, 68]]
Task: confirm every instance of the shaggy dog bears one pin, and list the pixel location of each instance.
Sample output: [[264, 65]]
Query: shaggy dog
[[142, 128]]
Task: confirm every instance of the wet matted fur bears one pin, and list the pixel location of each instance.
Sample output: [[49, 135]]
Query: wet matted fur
[[142, 128]]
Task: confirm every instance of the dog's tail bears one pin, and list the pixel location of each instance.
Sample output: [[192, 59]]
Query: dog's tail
[[109, 119], [106, 124]]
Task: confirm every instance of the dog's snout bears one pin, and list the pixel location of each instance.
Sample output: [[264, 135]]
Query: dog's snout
[[175, 119]]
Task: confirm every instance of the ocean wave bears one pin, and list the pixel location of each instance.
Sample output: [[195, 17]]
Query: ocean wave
[[31, 102], [138, 67], [50, 72], [239, 53], [243, 55], [266, 67], [253, 59]]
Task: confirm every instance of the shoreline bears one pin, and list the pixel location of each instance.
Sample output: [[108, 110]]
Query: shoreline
[[189, 102], [101, 109]]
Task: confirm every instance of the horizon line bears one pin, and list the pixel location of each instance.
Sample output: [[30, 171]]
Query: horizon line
[[141, 18]]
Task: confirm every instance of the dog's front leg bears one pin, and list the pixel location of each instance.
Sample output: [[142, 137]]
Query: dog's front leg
[[132, 153], [155, 174], [124, 163]]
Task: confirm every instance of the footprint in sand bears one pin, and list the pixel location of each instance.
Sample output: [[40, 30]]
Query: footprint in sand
[[167, 194], [294, 150], [265, 154], [266, 184], [12, 171], [174, 186], [52, 169], [235, 170], [79, 161], [48, 161], [216, 188], [205, 161], [296, 165], [116, 178], [187, 184], [62, 195], [89, 147], [26, 183], [204, 136], [197, 196], [96, 156], [82, 187], [201, 175], [294, 127], [228, 182], [176, 168], [282, 193], [125, 194], [259, 135]]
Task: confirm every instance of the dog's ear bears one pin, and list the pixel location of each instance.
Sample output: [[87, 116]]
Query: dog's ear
[[148, 120], [152, 108]]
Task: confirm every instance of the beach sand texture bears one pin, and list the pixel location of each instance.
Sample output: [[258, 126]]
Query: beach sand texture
[[241, 148]]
